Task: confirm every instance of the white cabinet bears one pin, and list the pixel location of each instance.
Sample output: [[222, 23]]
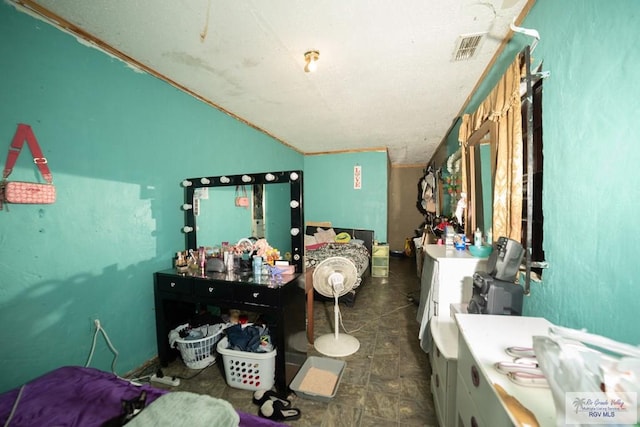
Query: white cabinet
[[482, 340], [443, 358], [447, 278]]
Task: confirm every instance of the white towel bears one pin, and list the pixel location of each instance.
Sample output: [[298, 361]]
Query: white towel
[[182, 408]]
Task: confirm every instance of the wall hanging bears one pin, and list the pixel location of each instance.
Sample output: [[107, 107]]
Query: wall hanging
[[26, 192], [242, 200]]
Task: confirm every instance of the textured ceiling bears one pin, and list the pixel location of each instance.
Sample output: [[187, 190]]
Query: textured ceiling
[[385, 77]]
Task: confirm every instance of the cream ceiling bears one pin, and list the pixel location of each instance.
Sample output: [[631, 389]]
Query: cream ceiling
[[385, 77]]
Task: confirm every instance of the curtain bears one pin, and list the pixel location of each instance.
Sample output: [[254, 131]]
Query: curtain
[[503, 107]]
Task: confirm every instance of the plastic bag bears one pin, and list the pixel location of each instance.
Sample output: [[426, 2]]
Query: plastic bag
[[593, 379], [408, 247]]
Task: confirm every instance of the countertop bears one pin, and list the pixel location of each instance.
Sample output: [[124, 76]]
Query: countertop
[[488, 336]]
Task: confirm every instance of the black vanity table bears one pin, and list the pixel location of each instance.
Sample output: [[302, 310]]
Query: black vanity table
[[282, 304], [276, 205]]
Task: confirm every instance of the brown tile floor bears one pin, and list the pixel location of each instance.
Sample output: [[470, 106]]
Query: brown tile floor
[[386, 383]]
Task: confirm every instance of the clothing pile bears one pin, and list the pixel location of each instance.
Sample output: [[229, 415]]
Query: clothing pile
[[188, 332], [253, 338]]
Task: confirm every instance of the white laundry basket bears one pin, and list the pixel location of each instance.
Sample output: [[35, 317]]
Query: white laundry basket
[[247, 370], [199, 353]]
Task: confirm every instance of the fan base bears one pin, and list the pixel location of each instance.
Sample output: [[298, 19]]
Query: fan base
[[342, 346]]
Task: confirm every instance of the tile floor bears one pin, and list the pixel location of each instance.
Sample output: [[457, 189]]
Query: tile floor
[[386, 383]]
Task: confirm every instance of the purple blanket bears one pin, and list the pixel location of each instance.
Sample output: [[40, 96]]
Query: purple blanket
[[77, 396]]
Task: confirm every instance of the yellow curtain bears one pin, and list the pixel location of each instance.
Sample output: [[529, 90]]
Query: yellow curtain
[[503, 107]]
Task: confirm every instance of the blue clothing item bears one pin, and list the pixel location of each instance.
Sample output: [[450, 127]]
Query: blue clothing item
[[247, 338]]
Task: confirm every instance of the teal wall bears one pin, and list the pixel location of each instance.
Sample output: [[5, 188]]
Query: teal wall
[[221, 203], [329, 178], [591, 153], [277, 198], [119, 143]]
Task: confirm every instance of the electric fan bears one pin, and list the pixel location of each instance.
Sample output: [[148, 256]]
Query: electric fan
[[334, 277]]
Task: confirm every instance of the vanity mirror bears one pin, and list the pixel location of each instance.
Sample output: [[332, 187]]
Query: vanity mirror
[[480, 164], [228, 208]]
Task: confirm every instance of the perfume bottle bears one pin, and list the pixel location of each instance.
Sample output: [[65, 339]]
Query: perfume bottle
[[181, 262], [257, 265], [477, 237], [202, 259]]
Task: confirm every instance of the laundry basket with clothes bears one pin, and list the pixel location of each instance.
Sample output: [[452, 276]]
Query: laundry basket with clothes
[[248, 357], [197, 345], [254, 338]]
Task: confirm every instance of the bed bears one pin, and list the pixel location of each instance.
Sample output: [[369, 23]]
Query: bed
[[86, 397], [323, 246], [320, 244]]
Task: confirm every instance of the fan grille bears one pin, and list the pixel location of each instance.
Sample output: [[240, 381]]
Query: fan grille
[[323, 271]]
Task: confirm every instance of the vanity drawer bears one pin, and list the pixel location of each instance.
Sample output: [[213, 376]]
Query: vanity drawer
[[468, 414], [438, 374], [438, 402], [174, 284], [205, 288], [443, 385], [479, 390], [439, 365], [257, 295]]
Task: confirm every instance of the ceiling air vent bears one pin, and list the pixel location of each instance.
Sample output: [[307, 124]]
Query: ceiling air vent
[[466, 46]]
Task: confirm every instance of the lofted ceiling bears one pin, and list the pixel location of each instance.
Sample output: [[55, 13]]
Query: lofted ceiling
[[386, 77]]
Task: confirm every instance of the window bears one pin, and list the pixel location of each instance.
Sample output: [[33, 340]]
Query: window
[[537, 252], [499, 195]]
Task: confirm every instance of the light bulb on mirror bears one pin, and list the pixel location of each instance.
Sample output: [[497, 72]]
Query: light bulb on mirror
[[293, 176], [187, 183], [224, 179], [246, 178], [295, 231], [187, 229], [269, 177], [294, 204], [187, 206], [205, 181]]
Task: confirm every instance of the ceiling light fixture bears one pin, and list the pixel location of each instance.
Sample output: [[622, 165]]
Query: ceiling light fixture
[[311, 59]]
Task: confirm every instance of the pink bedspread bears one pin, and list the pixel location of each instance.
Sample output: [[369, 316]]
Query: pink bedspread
[[83, 397]]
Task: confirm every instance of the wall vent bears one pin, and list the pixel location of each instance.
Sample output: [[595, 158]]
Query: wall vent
[[467, 45]]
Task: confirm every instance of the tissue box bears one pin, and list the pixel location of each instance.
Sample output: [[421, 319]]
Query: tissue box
[[286, 269]]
